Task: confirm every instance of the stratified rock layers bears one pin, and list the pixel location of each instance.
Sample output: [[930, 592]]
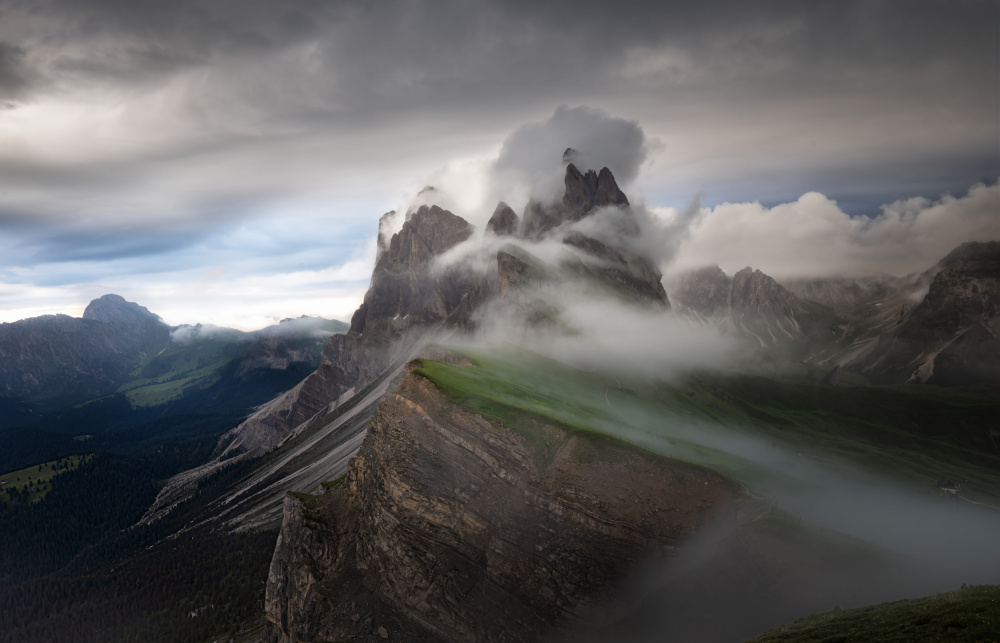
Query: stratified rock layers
[[453, 527]]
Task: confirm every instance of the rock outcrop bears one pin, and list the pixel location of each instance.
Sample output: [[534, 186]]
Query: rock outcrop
[[404, 291], [939, 327], [407, 298], [749, 304], [627, 272], [956, 322], [504, 222], [412, 295], [453, 527], [583, 194]]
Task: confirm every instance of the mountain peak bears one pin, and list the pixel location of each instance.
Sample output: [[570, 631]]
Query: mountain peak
[[400, 282], [984, 254], [113, 308], [584, 192], [504, 222]]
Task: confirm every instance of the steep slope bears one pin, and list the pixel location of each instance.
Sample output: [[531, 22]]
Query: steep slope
[[404, 301], [956, 322], [939, 327], [749, 304], [454, 527], [412, 296]]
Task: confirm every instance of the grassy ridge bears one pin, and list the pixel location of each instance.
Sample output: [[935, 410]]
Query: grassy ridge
[[965, 615], [915, 435]]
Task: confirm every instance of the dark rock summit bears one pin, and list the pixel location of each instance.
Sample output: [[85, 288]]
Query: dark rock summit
[[407, 298], [706, 291], [412, 295], [750, 304], [955, 324], [114, 309], [504, 222], [402, 285], [583, 194]]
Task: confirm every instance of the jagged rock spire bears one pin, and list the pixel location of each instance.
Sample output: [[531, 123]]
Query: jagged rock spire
[[504, 222], [584, 193]]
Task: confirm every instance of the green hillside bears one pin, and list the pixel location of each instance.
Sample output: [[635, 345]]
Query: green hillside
[[966, 615], [36, 481]]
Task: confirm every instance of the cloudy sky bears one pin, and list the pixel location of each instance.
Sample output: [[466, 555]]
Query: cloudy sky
[[227, 161]]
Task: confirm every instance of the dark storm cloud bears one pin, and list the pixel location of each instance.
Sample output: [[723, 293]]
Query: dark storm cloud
[[154, 116], [597, 140], [15, 78], [370, 55], [128, 64]]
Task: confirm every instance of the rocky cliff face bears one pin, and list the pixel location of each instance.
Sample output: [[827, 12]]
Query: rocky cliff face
[[953, 335], [410, 295], [761, 307], [405, 300], [403, 290], [939, 327], [750, 304], [583, 194], [453, 527], [504, 222]]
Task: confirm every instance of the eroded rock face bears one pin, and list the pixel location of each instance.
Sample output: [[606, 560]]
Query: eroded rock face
[[762, 307], [405, 299], [749, 304], [401, 283], [461, 528], [962, 299], [623, 270], [584, 193], [504, 222], [706, 291]]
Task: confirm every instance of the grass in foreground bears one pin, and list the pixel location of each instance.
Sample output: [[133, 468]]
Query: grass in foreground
[[968, 614]]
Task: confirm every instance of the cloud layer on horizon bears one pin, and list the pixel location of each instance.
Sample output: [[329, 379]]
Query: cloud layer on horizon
[[813, 237], [144, 139]]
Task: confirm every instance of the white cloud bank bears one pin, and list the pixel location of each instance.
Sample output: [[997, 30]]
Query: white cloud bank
[[813, 237]]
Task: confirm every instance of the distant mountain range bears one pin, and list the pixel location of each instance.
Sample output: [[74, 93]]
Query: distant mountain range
[[937, 327], [120, 350]]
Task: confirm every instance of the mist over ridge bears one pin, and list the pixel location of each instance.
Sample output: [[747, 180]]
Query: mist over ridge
[[660, 322]]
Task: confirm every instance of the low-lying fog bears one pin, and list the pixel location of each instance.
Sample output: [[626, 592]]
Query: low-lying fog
[[737, 579]]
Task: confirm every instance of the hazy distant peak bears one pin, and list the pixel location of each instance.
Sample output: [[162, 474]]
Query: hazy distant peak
[[504, 222], [985, 252], [113, 308]]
